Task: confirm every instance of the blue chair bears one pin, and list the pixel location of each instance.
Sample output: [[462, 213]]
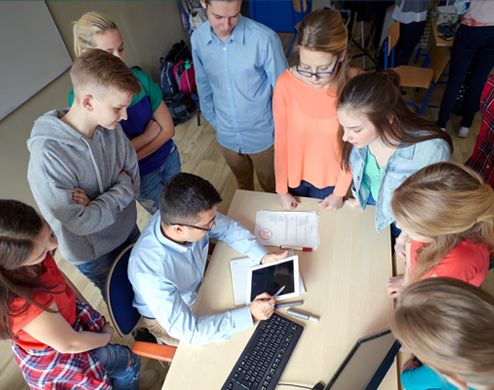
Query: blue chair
[[119, 297]]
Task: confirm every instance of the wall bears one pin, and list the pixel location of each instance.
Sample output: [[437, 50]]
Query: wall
[[149, 28]]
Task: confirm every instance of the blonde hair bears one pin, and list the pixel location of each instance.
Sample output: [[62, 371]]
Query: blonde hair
[[89, 25], [448, 203], [97, 72], [323, 30], [448, 325]]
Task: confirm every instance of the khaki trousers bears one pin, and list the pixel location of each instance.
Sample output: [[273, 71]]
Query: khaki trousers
[[157, 331], [242, 166]]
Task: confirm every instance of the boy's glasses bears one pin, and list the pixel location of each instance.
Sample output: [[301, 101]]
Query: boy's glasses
[[319, 75], [210, 223]]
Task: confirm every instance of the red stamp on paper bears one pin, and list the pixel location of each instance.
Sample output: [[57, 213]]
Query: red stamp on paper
[[265, 234]]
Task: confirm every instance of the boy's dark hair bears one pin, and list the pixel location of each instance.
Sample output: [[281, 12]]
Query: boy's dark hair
[[184, 197]]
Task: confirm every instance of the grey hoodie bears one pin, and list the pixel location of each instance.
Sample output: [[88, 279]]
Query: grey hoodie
[[61, 159]]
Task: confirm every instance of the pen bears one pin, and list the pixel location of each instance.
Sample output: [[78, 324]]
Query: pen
[[296, 248], [279, 291], [297, 314], [298, 303]]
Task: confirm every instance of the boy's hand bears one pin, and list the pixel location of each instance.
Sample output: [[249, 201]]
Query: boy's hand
[[107, 329], [332, 202], [396, 285], [152, 130], [80, 197], [287, 201], [273, 257], [262, 307]]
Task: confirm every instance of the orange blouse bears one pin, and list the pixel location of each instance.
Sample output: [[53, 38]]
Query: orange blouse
[[306, 136]]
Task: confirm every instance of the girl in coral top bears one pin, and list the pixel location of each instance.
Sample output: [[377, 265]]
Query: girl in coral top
[[305, 121], [58, 339], [448, 214]]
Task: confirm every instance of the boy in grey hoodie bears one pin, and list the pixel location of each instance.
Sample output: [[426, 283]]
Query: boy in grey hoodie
[[83, 170]]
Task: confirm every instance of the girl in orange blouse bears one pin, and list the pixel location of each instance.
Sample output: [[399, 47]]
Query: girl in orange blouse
[[304, 106], [448, 213]]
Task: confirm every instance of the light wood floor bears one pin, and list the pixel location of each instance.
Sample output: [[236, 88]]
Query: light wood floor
[[201, 155]]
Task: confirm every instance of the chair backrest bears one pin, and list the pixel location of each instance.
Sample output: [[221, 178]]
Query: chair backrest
[[440, 57], [393, 36], [119, 295]]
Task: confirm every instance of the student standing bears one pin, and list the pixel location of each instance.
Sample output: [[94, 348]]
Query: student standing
[[149, 125], [167, 264], [482, 158], [447, 212], [236, 62], [383, 142], [447, 324], [304, 108], [473, 47], [83, 170], [58, 339]]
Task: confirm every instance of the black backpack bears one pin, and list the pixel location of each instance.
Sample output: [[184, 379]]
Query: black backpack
[[179, 108]]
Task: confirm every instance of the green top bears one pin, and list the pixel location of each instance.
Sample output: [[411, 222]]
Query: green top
[[372, 175]]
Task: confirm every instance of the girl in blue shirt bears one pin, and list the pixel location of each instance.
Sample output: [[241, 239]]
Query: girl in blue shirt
[[383, 143], [149, 125], [448, 324]]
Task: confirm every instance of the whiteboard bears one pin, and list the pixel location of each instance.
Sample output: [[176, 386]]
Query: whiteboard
[[32, 52]]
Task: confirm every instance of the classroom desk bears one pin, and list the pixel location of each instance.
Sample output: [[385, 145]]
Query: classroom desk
[[437, 40], [346, 288]]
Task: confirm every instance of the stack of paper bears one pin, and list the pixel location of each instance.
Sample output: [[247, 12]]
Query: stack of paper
[[293, 229]]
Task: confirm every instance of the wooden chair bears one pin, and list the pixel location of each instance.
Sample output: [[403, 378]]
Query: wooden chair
[[119, 297], [411, 76]]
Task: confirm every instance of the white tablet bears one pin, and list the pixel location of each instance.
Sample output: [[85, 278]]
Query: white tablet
[[271, 277]]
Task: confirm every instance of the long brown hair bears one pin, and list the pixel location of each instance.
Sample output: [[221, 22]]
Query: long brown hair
[[378, 97], [447, 203], [323, 30], [20, 225], [448, 325]]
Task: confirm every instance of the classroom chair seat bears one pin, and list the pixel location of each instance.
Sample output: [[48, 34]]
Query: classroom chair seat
[[119, 297]]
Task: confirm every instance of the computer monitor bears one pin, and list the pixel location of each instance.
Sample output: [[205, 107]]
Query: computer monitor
[[367, 363]]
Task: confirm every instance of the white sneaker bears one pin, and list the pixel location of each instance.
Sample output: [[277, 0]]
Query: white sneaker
[[463, 131], [147, 379]]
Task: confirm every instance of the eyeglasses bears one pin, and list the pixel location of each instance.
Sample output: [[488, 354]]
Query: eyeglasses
[[210, 223], [319, 75]]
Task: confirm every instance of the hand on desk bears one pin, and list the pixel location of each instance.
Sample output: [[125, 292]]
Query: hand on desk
[[396, 285], [262, 307], [273, 257], [332, 202], [287, 201]]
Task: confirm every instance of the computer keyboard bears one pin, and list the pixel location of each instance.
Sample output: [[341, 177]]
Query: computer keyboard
[[263, 360]]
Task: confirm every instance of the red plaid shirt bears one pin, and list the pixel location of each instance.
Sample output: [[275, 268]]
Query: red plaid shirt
[[48, 369], [482, 159]]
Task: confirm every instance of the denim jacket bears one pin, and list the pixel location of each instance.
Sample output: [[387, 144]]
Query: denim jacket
[[404, 162]]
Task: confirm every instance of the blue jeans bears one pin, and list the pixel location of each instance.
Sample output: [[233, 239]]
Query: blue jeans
[[153, 182], [395, 232], [472, 46], [115, 360], [307, 189], [97, 270]]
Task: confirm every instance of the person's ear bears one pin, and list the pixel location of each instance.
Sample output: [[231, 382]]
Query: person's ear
[[87, 102], [179, 230], [342, 56], [390, 119], [460, 384], [204, 5]]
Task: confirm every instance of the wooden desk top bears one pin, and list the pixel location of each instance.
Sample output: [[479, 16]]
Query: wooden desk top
[[346, 282], [437, 40]]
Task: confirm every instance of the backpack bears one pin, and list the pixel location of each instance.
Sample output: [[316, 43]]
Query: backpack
[[179, 108], [168, 83], [185, 78]]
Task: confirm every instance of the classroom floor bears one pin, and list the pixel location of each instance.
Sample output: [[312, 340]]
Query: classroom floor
[[200, 154]]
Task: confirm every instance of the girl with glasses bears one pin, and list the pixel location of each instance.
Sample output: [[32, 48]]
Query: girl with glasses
[[383, 143], [304, 106]]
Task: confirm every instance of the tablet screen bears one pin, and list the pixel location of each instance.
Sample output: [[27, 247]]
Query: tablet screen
[[270, 279]]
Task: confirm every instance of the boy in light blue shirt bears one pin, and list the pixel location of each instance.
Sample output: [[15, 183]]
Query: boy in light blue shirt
[[167, 264], [236, 62]]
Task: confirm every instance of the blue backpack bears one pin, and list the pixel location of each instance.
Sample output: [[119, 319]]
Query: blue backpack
[[167, 78]]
